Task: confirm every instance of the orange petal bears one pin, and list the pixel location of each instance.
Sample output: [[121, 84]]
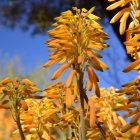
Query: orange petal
[[5, 82], [96, 89], [70, 78], [27, 82], [68, 97], [24, 105], [92, 113], [51, 62], [115, 5], [59, 71], [91, 77], [132, 66], [123, 22], [119, 14], [80, 59], [4, 106]]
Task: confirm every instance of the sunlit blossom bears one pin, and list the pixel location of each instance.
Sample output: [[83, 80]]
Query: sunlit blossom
[[132, 9], [75, 41]]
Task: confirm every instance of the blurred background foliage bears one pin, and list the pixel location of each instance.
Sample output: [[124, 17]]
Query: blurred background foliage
[[13, 67]]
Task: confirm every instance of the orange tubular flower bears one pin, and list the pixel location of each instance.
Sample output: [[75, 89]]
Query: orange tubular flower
[[38, 119], [75, 40], [132, 9], [17, 91], [133, 33]]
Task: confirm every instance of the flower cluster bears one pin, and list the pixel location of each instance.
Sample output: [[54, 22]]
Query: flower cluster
[[44, 116], [132, 90], [39, 118], [74, 42], [133, 47], [17, 91], [104, 108], [103, 111], [132, 8]]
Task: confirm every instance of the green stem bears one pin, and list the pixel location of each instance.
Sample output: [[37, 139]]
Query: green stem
[[82, 121], [82, 128], [19, 124], [82, 96]]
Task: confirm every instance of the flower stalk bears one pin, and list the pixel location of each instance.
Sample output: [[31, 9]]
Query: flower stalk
[[73, 43], [17, 115], [82, 127]]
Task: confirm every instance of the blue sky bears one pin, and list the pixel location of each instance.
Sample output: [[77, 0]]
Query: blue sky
[[32, 51]]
